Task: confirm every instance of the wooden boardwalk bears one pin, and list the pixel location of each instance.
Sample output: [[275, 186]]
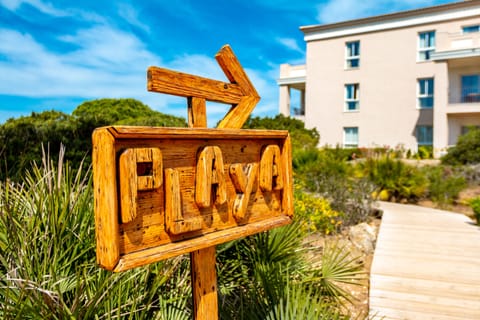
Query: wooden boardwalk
[[426, 265]]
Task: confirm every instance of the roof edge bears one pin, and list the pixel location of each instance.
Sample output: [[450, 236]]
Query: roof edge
[[390, 16]]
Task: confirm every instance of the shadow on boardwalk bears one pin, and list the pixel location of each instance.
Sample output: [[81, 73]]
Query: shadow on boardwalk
[[426, 265]]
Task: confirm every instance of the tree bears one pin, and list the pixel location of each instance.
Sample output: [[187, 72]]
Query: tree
[[302, 138], [103, 112], [23, 137], [467, 150]]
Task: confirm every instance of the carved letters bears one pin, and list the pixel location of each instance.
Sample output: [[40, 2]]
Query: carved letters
[[141, 169], [210, 176], [244, 181]]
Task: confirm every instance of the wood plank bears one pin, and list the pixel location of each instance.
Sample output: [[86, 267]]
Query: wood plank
[[185, 85], [422, 308], [139, 132], [384, 313], [170, 250], [451, 289], [106, 226], [426, 265], [469, 305], [204, 282], [197, 113]]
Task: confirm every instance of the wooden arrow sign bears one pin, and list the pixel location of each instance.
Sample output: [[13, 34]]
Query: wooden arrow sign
[[239, 92], [162, 192]]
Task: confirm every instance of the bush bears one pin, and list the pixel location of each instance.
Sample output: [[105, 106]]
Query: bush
[[399, 181], [333, 179], [444, 184], [475, 204], [302, 138], [316, 212], [467, 150], [344, 154], [424, 152], [48, 267]]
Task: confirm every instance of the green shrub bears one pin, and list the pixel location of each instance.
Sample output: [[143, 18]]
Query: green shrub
[[424, 152], [302, 138], [475, 204], [444, 184], [466, 151], [342, 154], [316, 212], [311, 165], [48, 268], [323, 173], [395, 178]]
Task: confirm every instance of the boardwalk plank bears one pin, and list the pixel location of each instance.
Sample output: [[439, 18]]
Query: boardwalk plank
[[426, 265]]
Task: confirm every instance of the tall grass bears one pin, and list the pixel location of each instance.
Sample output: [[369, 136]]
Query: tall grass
[[48, 266], [47, 255]]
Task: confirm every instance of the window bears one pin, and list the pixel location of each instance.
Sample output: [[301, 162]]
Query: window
[[426, 45], [350, 137], [425, 135], [471, 88], [425, 93], [470, 29], [352, 54], [351, 97]]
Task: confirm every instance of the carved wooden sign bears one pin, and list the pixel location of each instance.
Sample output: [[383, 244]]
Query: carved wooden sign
[[168, 191], [162, 192]]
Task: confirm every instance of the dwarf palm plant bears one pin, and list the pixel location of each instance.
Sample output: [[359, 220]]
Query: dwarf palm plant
[[268, 276], [47, 257], [48, 268]]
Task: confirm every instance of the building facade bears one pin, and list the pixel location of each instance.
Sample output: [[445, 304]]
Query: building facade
[[405, 79]]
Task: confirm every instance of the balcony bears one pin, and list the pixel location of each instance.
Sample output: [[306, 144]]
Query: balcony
[[466, 100], [293, 76], [456, 45], [292, 90]]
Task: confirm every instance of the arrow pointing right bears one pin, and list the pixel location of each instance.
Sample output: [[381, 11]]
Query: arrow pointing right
[[240, 92]]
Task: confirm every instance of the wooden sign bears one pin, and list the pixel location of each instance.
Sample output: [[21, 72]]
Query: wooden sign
[[161, 192], [240, 92]]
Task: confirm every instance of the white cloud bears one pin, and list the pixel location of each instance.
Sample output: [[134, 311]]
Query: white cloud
[[107, 63], [199, 65], [131, 15], [104, 47], [101, 67], [291, 44], [42, 6], [104, 61]]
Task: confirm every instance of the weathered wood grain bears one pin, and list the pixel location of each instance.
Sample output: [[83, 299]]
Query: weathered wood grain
[[426, 265], [105, 195], [197, 112], [185, 85], [204, 282], [154, 254], [173, 213]]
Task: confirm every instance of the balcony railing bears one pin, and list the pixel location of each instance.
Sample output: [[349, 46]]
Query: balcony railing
[[457, 41], [467, 95]]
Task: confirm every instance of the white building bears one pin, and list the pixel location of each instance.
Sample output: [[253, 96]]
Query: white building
[[410, 78]]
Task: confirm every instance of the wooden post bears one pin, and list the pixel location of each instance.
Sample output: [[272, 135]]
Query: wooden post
[[203, 261], [154, 195], [203, 272], [204, 284]]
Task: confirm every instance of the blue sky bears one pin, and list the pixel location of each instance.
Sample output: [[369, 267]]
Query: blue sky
[[57, 54]]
